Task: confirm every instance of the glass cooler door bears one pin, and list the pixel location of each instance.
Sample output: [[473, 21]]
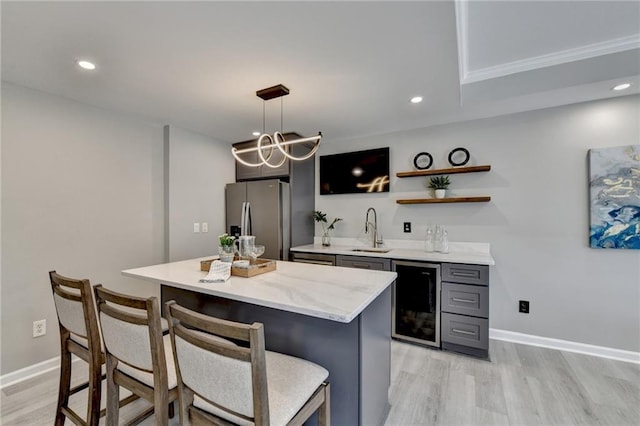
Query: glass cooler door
[[416, 303]]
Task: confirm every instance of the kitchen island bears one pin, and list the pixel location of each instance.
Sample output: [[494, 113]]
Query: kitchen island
[[336, 317]]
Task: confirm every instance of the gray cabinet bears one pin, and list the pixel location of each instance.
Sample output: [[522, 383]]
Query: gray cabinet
[[362, 262], [283, 171], [469, 333], [465, 309], [465, 299], [466, 274], [244, 172], [315, 258]]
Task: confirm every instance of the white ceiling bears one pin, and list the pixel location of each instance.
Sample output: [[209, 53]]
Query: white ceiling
[[351, 66]]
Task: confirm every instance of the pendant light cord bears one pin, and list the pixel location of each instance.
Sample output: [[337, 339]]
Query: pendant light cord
[[264, 126]]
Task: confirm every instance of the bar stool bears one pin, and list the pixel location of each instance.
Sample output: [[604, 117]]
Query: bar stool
[[220, 381], [139, 357], [80, 336]]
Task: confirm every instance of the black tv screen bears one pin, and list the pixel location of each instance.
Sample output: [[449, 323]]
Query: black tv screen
[[355, 172]]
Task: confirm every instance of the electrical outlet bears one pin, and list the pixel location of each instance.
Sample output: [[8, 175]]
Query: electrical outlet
[[39, 328], [523, 306], [407, 227], [205, 227], [196, 227]]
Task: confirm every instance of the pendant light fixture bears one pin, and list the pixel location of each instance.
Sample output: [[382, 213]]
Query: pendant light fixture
[[267, 142]]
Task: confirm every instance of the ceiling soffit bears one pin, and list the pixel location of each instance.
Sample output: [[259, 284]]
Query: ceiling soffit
[[613, 55]]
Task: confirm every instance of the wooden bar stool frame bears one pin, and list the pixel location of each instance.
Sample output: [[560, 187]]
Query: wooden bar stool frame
[[67, 291], [190, 325], [110, 303]]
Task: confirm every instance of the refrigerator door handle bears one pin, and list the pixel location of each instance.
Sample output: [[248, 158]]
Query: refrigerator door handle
[[245, 220], [242, 219], [243, 216], [248, 219]]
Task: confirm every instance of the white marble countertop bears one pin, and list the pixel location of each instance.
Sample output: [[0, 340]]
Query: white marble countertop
[[459, 252], [328, 292]]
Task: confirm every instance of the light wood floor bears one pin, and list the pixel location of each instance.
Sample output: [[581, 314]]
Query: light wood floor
[[522, 385]]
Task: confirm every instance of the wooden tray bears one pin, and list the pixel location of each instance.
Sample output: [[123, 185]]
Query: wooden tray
[[260, 267], [205, 265]]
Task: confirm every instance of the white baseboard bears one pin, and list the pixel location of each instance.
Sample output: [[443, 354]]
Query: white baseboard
[[31, 371], [565, 345]]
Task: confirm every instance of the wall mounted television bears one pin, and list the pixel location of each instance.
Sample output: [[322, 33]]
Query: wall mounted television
[[355, 172]]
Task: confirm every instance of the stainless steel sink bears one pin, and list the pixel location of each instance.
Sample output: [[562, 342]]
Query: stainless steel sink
[[372, 250]]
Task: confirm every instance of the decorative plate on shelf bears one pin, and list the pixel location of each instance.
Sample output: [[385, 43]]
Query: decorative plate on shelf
[[459, 157], [422, 161]]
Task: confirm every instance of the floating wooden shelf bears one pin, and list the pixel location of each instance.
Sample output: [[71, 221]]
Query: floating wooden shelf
[[450, 171], [445, 200]]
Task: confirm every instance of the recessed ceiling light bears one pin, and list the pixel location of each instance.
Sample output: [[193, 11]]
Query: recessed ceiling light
[[416, 99], [622, 86], [86, 65], [256, 133]]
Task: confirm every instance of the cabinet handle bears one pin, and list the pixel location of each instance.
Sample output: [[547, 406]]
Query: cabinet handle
[[470, 333], [315, 262], [471, 274], [455, 299], [361, 265]]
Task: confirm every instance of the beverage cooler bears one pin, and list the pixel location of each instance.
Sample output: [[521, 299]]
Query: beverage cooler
[[416, 303]]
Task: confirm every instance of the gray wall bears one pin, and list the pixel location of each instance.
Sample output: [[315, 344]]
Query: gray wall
[[197, 173], [83, 192], [537, 222]]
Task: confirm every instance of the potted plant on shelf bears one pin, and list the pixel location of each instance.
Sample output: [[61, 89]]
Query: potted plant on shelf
[[320, 217], [439, 184], [226, 249]]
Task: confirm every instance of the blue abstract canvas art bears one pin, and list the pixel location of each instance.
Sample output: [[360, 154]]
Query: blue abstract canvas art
[[615, 197]]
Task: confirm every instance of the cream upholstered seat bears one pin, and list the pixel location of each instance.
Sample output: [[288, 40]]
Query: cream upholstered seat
[[139, 357], [79, 335], [221, 381], [290, 383]]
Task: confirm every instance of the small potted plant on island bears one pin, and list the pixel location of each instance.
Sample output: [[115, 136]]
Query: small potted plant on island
[[226, 250], [320, 217], [439, 184]]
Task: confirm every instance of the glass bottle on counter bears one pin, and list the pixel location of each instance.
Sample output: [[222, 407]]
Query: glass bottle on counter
[[437, 239], [428, 241], [444, 246]]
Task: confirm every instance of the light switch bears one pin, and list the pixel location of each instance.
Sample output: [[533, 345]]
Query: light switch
[[205, 227], [196, 227]]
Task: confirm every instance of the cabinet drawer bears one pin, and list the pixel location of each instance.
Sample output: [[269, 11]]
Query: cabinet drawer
[[465, 299], [466, 274], [319, 259], [466, 331], [364, 262]]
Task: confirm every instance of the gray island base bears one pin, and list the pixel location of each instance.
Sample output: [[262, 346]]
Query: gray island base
[[352, 341]]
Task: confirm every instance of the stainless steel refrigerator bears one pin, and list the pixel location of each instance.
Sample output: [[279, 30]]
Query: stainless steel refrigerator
[[269, 218]]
